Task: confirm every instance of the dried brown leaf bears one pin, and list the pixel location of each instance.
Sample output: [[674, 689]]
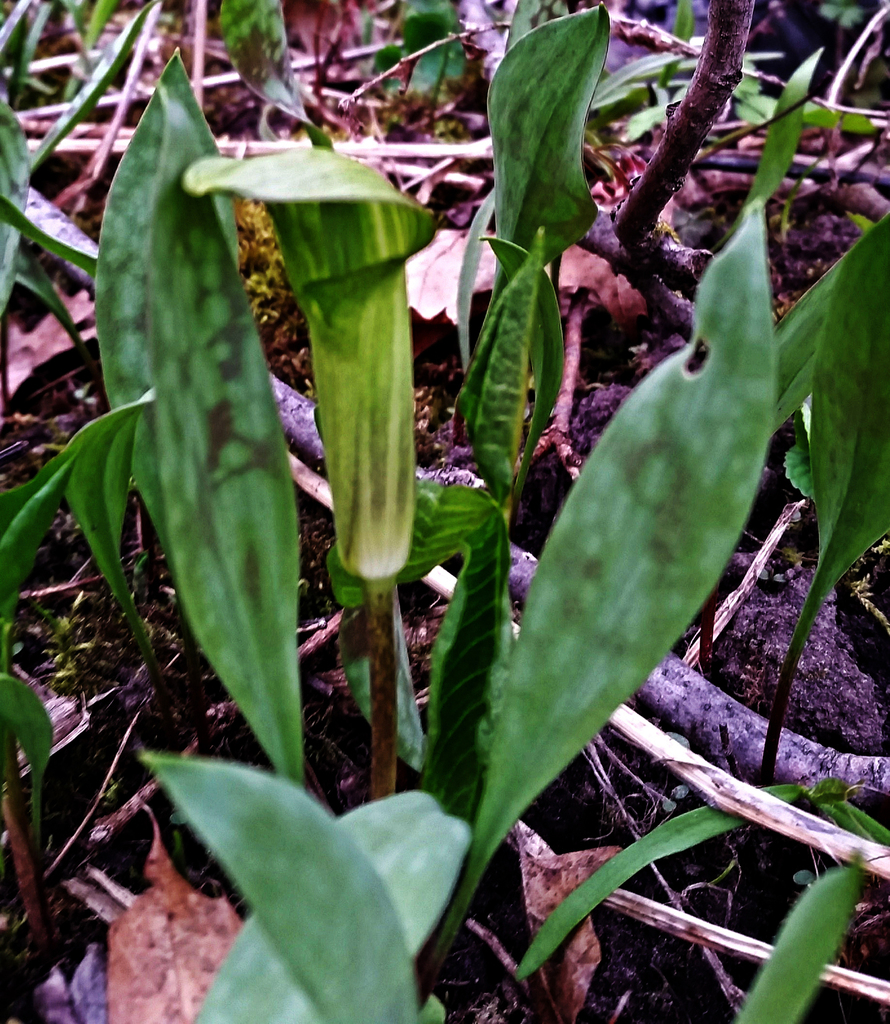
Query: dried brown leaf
[[433, 275], [559, 988], [615, 294], [164, 952]]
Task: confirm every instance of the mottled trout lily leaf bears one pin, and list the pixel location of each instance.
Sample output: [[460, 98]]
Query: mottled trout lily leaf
[[345, 234]]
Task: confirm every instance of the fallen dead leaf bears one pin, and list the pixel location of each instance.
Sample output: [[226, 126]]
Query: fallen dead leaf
[[559, 988], [28, 350], [615, 294], [433, 275], [164, 952]]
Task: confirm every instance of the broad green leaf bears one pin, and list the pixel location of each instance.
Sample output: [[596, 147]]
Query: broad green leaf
[[355, 653], [417, 849], [14, 174], [495, 390], [537, 107], [228, 504], [797, 333], [443, 518], [530, 14], [849, 429], [345, 234], [26, 513], [467, 659], [782, 136], [469, 267], [314, 893], [103, 74], [30, 274], [23, 714], [673, 836], [123, 267], [640, 542], [254, 984], [255, 37], [787, 984], [13, 217], [547, 353]]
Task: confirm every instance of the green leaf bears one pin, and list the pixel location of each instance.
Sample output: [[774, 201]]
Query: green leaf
[[101, 13], [229, 517], [23, 714], [97, 493], [443, 518], [15, 169], [255, 36], [547, 353], [537, 107], [684, 20], [849, 432], [782, 136], [797, 333], [641, 540], [420, 29], [11, 215], [787, 984], [469, 268], [797, 459], [254, 984], [495, 390], [417, 849], [673, 836], [468, 656], [356, 654], [26, 513], [103, 74], [622, 83], [345, 234], [124, 265], [315, 894]]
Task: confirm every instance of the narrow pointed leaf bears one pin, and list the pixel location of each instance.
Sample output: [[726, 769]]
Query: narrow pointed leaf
[[783, 135], [810, 937], [494, 394], [673, 836], [103, 74], [13, 217], [468, 656], [23, 714], [356, 656], [272, 838], [25, 515], [547, 353], [256, 39], [797, 333], [443, 519], [345, 234], [537, 107], [227, 496], [641, 540], [469, 267], [14, 174]]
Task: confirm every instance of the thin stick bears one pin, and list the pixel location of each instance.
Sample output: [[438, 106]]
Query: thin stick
[[63, 853], [842, 72], [198, 49], [708, 616]]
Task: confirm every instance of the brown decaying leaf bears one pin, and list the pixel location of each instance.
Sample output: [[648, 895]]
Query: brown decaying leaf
[[559, 988], [621, 301], [433, 275], [28, 350], [164, 952]]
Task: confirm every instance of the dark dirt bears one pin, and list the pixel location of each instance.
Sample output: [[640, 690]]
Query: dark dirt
[[648, 976]]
